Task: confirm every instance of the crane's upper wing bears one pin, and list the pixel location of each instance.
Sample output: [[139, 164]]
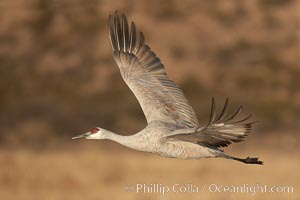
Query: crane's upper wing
[[220, 131], [160, 98]]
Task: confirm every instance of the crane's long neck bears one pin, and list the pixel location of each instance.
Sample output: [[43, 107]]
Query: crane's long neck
[[128, 141]]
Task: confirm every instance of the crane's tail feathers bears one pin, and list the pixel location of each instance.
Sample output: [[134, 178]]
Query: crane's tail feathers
[[223, 129], [220, 131]]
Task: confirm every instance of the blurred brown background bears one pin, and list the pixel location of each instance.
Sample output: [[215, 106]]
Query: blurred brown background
[[58, 79]]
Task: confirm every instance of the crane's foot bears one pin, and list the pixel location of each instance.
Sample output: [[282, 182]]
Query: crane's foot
[[249, 160]]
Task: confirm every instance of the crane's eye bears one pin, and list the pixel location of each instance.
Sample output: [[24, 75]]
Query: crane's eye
[[94, 130]]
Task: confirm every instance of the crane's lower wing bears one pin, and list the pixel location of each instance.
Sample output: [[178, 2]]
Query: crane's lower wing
[[220, 131], [160, 98]]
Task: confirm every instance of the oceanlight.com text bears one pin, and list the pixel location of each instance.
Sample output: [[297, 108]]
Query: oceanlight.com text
[[250, 189]]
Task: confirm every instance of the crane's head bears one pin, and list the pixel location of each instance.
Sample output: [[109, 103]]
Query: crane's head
[[94, 133]]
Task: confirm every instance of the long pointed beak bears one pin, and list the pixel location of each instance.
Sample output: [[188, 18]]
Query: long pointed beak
[[81, 136]]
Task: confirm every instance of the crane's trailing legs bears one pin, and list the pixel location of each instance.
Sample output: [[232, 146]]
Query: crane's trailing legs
[[248, 160]]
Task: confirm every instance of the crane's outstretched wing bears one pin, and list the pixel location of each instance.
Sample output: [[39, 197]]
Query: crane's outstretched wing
[[160, 98], [220, 131]]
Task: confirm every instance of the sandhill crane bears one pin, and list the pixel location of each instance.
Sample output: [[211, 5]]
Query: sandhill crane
[[173, 129]]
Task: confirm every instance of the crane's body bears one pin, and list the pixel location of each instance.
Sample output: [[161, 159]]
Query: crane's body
[[149, 140], [173, 129]]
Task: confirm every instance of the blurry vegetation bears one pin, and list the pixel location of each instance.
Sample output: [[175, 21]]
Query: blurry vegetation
[[58, 77], [167, 10], [275, 3]]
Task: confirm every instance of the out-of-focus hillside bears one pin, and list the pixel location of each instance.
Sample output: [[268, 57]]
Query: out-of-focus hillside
[[58, 79], [58, 76]]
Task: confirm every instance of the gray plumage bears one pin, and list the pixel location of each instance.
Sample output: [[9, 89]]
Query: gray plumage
[[160, 98], [173, 129]]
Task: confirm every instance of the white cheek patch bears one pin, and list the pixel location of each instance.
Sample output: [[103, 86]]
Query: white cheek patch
[[88, 137], [92, 136]]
